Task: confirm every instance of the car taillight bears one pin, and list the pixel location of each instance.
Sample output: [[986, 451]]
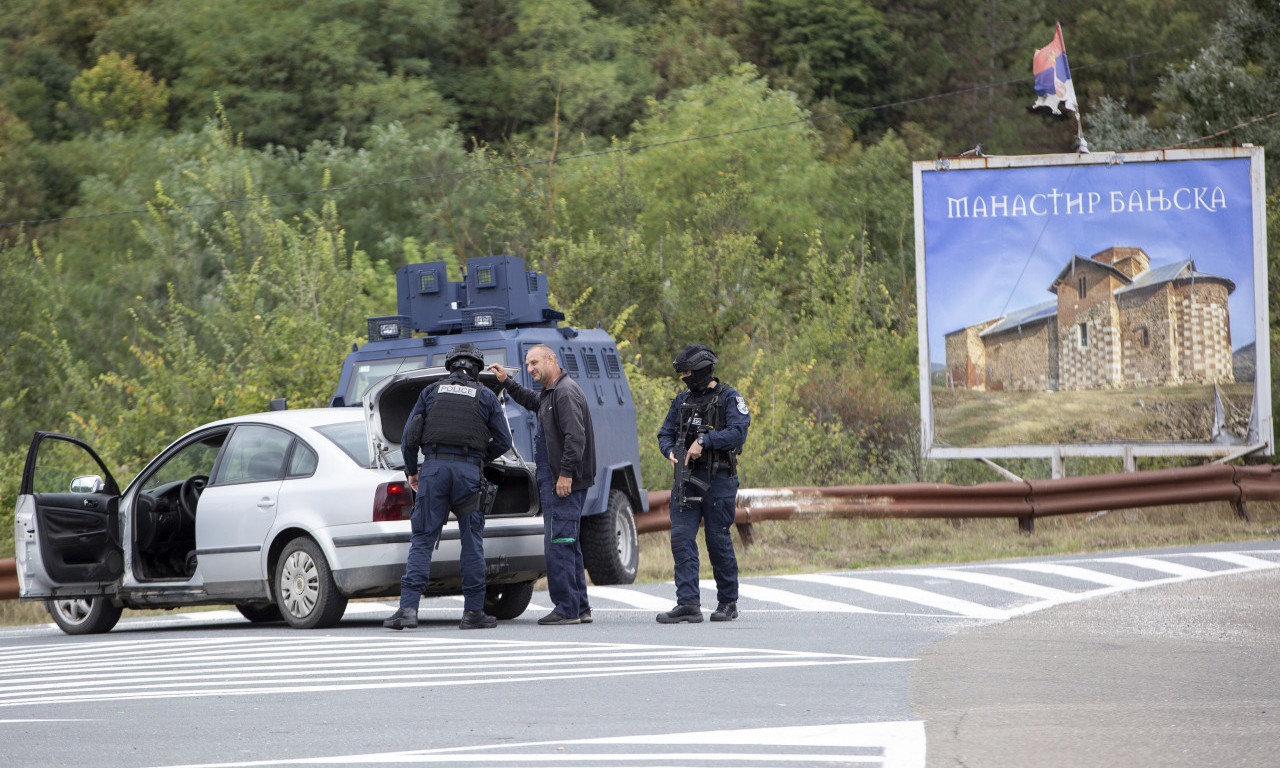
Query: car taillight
[[392, 501]]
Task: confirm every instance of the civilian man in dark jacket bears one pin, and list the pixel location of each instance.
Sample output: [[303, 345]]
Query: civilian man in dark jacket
[[565, 450]]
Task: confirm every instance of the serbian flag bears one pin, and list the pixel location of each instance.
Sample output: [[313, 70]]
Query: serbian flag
[[1053, 77]]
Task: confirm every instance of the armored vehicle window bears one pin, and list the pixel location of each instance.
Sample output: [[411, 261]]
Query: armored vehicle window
[[593, 363], [569, 362], [491, 356], [370, 373], [612, 366]]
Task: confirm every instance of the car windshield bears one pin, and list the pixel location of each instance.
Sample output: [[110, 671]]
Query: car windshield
[[350, 437]]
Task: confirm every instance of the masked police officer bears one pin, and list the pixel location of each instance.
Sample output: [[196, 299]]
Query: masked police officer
[[708, 424], [462, 428]]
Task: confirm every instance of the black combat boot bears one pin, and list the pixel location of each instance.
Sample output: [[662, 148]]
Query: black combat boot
[[725, 612], [689, 613], [403, 618], [477, 620]]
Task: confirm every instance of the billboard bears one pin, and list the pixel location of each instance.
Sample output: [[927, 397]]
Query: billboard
[[1093, 304]]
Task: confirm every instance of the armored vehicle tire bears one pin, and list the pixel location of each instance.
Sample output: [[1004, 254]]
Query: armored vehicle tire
[[86, 616], [304, 588], [610, 548], [260, 613], [507, 601]]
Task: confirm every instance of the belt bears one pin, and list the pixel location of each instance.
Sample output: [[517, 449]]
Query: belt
[[479, 462]]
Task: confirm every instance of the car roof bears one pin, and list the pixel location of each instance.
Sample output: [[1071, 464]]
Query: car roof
[[300, 418]]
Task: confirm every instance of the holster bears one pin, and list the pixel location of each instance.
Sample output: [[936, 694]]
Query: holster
[[482, 500]]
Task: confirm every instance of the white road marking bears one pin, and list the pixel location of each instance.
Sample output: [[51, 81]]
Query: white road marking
[[633, 598], [1162, 566], [790, 599], [906, 594], [1071, 572], [1004, 583], [244, 665], [1244, 561], [885, 745]]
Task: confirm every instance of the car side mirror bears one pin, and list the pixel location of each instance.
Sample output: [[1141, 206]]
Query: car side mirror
[[87, 484]]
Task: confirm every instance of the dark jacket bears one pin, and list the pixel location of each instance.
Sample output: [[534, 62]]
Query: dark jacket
[[565, 421]]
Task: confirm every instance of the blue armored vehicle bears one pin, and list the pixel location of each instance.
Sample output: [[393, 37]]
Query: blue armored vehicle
[[504, 310]]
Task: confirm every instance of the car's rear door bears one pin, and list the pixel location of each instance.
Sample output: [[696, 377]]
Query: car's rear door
[[237, 509], [67, 521]]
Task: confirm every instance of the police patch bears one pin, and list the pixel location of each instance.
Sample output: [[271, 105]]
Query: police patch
[[465, 391], [742, 406]]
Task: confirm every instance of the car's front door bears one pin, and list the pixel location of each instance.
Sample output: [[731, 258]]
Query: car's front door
[[67, 521], [237, 510]]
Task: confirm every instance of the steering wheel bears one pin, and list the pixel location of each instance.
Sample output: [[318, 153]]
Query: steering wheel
[[189, 494]]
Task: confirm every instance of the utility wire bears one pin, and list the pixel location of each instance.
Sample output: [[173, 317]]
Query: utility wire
[[618, 150]]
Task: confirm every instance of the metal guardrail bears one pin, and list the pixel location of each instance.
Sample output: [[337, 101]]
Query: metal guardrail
[[1022, 500]]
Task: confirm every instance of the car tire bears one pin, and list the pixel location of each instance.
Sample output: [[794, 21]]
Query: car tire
[[610, 547], [260, 613], [304, 588], [85, 616], [507, 601]]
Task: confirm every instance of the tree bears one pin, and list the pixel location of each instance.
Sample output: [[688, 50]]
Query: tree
[[117, 96]]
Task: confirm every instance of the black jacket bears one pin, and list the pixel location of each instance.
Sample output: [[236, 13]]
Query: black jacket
[[566, 426]]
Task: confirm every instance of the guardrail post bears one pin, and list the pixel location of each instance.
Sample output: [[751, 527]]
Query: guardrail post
[[747, 533], [1027, 524]]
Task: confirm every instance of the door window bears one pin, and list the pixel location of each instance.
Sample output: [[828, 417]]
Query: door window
[[192, 459], [303, 461], [254, 454], [64, 467]]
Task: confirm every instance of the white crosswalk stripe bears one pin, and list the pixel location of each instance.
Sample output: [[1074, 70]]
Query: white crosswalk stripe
[[242, 665], [876, 745], [906, 594], [1004, 583]]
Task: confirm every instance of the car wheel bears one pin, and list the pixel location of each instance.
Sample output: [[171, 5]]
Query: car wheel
[[610, 548], [260, 613], [305, 592], [85, 616], [507, 601]]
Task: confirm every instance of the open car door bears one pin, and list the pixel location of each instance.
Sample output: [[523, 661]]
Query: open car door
[[67, 522]]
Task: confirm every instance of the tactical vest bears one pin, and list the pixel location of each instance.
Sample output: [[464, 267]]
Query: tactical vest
[[455, 420], [710, 414]]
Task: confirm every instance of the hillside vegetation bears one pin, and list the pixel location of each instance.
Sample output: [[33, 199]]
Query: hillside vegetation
[[200, 201]]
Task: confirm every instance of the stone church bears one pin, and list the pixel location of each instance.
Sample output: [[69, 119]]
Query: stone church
[[1115, 323]]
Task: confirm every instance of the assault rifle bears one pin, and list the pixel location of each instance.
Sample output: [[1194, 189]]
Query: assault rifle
[[690, 430]]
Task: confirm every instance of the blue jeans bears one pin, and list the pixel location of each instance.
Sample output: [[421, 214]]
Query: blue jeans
[[562, 544], [715, 512], [441, 485]]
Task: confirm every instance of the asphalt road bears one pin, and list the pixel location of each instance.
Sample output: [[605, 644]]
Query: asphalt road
[[1159, 658]]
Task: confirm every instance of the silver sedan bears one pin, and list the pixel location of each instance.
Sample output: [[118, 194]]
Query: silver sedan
[[285, 514]]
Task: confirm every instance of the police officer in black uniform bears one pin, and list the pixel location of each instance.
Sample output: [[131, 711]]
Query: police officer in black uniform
[[462, 428], [710, 421]]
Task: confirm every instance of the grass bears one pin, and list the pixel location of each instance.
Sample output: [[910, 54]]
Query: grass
[[825, 545], [1174, 413]]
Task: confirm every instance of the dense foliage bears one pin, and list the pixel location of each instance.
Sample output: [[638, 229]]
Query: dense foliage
[[729, 171]]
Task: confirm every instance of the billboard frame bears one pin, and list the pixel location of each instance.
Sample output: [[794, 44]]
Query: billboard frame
[[1261, 435]]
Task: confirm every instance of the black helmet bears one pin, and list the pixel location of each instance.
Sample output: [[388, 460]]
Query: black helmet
[[464, 356], [694, 357]]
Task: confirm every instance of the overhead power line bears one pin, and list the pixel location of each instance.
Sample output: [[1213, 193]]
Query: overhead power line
[[637, 148]]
